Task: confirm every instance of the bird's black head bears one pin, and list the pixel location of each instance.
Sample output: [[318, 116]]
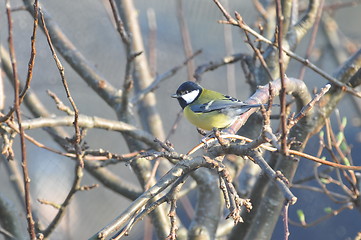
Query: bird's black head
[[187, 93]]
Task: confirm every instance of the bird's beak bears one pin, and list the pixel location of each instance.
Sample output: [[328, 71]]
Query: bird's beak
[[174, 95]]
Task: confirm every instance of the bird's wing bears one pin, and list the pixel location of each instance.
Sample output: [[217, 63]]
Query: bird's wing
[[222, 105]]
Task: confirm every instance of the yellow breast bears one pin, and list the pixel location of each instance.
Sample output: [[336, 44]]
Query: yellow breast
[[208, 121]]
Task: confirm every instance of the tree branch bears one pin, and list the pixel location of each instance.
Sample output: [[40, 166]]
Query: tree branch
[[77, 61]]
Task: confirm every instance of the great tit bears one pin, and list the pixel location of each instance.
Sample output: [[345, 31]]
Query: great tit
[[207, 109]]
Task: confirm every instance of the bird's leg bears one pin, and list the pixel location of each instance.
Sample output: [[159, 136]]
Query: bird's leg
[[201, 132], [207, 137], [210, 137], [224, 142]]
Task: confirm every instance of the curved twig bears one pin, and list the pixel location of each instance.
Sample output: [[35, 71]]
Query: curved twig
[[76, 60], [24, 160]]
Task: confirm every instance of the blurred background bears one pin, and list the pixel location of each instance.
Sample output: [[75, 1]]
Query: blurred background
[[89, 25]]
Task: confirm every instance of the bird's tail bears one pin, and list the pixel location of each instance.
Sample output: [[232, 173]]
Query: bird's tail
[[258, 105]]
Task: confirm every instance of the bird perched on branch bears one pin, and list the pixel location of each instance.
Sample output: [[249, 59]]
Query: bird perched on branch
[[207, 109]]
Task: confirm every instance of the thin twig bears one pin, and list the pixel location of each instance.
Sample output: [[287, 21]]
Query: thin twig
[[323, 218], [77, 137], [29, 215], [127, 41], [293, 121], [141, 76], [240, 23], [343, 198], [78, 61], [229, 47], [259, 55], [75, 187], [152, 174], [323, 186], [60, 105], [233, 202], [30, 64], [76, 141], [58, 134], [172, 198], [273, 149], [282, 186], [119, 24], [33, 51]]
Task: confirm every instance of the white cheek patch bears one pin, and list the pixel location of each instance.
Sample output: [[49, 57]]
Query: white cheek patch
[[191, 96]]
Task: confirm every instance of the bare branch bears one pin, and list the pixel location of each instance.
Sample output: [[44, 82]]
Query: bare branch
[[142, 77], [240, 23], [77, 137], [261, 96], [26, 176], [76, 60], [183, 167], [290, 198], [92, 122], [106, 177]]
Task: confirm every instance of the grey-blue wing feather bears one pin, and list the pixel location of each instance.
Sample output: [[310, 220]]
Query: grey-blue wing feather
[[225, 106]]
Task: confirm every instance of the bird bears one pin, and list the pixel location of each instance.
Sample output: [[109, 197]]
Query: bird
[[207, 109]]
